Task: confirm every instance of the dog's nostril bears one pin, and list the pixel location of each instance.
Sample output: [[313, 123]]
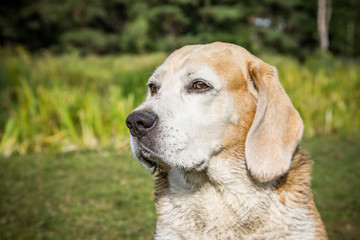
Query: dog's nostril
[[148, 123], [141, 124], [128, 124]]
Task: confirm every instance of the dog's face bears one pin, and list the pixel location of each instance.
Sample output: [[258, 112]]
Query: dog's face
[[205, 99]]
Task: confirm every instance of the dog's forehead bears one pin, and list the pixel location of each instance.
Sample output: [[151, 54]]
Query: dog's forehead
[[223, 60]]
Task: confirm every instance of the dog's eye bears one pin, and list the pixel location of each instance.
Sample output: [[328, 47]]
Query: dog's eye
[[199, 85], [153, 89]]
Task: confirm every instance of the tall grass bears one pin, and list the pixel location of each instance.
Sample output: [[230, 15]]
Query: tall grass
[[326, 92], [68, 102], [62, 103]]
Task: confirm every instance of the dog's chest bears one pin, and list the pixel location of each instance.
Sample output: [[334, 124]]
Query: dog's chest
[[187, 212]]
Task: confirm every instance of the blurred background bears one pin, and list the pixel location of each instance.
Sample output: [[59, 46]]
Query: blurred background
[[108, 27], [72, 70]]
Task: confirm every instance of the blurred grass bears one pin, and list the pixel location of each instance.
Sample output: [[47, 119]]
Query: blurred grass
[[62, 103], [75, 196], [325, 90], [68, 102], [335, 184], [99, 195]]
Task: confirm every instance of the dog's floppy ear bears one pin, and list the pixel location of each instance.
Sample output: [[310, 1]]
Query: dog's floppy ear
[[276, 129]]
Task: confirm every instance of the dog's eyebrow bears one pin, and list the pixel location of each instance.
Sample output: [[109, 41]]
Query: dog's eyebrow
[[158, 74], [189, 74], [151, 80], [154, 78]]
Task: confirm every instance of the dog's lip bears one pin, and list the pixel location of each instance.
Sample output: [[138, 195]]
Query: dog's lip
[[147, 160], [148, 157]]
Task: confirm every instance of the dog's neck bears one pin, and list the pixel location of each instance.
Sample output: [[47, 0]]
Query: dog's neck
[[223, 184], [225, 191], [225, 171]]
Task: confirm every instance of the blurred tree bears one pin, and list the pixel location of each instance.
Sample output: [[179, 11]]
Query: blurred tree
[[285, 26], [96, 26], [345, 28], [179, 22], [20, 24], [323, 20], [135, 36], [89, 25]]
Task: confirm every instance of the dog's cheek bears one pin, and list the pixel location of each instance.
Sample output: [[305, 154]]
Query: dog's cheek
[[171, 140]]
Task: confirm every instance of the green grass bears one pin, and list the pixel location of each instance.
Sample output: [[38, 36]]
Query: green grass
[[102, 195], [86, 195], [62, 103], [336, 183]]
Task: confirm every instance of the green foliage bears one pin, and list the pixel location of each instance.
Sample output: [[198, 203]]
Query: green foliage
[[135, 35], [325, 91], [221, 13], [185, 22], [68, 102], [95, 26], [88, 40], [345, 28], [100, 195]]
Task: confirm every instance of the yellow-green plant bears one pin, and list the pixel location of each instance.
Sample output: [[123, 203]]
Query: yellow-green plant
[[326, 91], [68, 102]]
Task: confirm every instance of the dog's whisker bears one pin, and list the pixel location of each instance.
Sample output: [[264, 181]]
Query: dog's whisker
[[122, 150]]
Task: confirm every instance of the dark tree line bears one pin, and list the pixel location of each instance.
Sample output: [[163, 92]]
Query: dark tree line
[[111, 26]]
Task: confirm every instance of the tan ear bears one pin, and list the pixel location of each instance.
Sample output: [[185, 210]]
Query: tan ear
[[276, 129]]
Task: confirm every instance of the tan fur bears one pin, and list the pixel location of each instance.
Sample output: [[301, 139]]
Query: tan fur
[[293, 190], [256, 182], [276, 129], [295, 187]]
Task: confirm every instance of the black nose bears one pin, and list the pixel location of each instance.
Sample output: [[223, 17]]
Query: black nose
[[141, 122]]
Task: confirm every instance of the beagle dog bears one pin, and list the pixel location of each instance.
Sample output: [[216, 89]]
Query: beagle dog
[[223, 137]]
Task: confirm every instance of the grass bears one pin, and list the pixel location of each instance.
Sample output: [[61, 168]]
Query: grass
[[62, 103], [336, 182], [100, 195], [325, 90], [75, 196]]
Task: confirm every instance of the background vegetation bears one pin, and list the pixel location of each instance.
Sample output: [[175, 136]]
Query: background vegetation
[[71, 71], [96, 26], [67, 102]]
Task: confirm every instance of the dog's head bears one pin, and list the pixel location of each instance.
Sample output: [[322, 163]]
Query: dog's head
[[205, 99]]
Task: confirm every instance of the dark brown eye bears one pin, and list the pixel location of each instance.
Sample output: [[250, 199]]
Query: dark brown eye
[[199, 85], [153, 89]]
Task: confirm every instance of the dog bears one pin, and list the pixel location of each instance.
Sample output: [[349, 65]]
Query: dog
[[223, 137]]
